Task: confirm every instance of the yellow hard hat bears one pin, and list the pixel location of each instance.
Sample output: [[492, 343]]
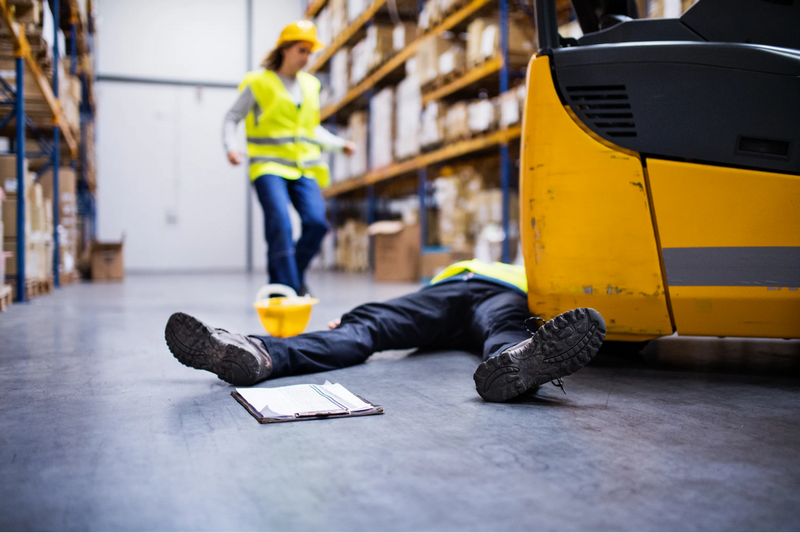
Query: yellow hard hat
[[302, 30]]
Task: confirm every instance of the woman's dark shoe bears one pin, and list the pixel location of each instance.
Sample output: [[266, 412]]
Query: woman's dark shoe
[[560, 347]]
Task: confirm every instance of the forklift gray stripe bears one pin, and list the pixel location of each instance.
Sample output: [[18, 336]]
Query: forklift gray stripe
[[271, 141], [767, 266]]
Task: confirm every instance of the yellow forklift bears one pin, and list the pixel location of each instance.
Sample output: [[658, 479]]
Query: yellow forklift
[[660, 169]]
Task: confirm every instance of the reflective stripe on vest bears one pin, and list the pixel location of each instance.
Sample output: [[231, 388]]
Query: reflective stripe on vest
[[286, 162], [280, 135], [280, 140], [509, 274]]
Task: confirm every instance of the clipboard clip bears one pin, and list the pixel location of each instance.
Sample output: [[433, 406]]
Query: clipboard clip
[[321, 414]]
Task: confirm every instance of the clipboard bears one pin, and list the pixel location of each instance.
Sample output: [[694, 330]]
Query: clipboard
[[267, 417]]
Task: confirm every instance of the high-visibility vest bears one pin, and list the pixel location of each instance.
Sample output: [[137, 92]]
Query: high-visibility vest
[[280, 134], [512, 275]]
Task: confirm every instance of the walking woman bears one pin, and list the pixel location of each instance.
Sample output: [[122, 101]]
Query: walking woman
[[280, 105]]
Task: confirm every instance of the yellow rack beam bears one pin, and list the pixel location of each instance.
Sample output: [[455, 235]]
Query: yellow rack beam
[[345, 36], [437, 156], [22, 49], [478, 73], [314, 7], [401, 57]]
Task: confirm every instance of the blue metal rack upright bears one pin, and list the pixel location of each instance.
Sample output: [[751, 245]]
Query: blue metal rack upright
[[87, 207], [15, 96]]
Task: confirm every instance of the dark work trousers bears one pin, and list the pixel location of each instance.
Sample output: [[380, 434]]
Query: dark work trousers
[[463, 314], [287, 262]]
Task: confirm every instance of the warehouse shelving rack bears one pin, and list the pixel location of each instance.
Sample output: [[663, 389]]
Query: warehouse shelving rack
[[14, 96], [86, 202], [495, 67]]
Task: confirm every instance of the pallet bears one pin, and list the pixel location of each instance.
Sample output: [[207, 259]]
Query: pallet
[[34, 287], [68, 278], [6, 296]]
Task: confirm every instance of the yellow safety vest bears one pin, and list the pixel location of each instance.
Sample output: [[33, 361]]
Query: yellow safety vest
[[513, 275], [280, 135]]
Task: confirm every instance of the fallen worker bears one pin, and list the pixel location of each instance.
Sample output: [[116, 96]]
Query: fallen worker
[[471, 306]]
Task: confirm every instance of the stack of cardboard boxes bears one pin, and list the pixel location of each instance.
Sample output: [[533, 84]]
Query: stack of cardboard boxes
[[37, 233], [352, 253], [357, 128], [483, 41], [67, 218], [469, 215]]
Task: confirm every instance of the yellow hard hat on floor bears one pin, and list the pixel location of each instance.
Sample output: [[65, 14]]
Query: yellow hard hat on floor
[[302, 30]]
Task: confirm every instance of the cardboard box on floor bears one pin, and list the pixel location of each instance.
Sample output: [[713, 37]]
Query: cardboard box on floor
[[434, 262], [107, 261], [397, 251]]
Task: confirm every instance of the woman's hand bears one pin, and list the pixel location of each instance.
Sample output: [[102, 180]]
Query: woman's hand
[[349, 148], [235, 157], [333, 324]]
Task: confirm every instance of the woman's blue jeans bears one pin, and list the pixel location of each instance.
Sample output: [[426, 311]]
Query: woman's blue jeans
[[287, 261]]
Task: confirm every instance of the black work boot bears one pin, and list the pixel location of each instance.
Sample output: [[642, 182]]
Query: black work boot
[[237, 359], [560, 347]]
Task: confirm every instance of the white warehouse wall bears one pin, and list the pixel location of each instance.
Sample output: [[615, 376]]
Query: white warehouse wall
[[163, 179]]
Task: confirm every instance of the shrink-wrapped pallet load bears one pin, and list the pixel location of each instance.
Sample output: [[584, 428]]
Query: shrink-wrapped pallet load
[[433, 125], [357, 127], [340, 74], [382, 128], [409, 111]]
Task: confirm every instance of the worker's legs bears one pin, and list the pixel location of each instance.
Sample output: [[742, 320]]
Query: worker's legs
[[432, 318], [309, 203], [498, 318], [273, 194]]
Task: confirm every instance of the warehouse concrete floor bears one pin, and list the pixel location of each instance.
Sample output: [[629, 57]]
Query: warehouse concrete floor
[[101, 429]]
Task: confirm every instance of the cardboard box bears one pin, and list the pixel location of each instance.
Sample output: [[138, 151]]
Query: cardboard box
[[434, 262], [456, 124], [8, 174], [511, 105], [428, 57], [433, 124], [107, 261], [67, 184], [452, 61], [352, 247], [481, 116], [34, 256], [397, 251], [483, 41], [403, 34], [379, 43]]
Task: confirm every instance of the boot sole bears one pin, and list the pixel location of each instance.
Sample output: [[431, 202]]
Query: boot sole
[[194, 345], [560, 347]]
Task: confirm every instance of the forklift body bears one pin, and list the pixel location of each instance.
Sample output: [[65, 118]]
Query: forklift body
[[660, 170]]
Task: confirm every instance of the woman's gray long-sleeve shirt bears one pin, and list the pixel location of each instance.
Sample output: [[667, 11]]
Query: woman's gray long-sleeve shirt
[[247, 102]]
